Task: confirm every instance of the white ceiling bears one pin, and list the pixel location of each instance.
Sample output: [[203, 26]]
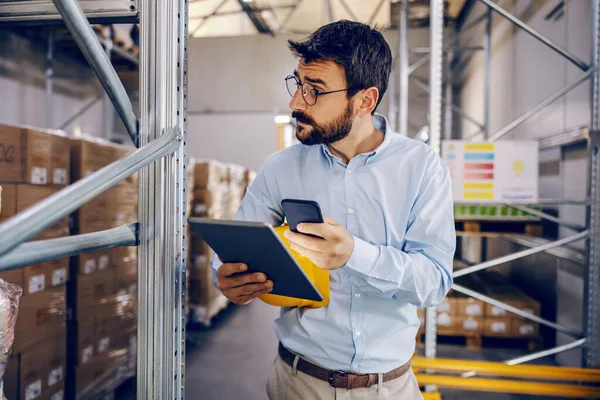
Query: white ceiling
[[226, 17]]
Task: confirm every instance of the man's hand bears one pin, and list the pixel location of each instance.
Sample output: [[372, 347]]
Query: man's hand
[[331, 252], [240, 287]]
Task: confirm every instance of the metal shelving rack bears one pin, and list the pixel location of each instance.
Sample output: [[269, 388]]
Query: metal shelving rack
[[160, 135], [590, 336]]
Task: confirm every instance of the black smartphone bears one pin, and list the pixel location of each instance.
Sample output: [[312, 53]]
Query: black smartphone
[[298, 211]]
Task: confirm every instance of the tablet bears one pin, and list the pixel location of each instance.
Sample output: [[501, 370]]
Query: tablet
[[257, 245]]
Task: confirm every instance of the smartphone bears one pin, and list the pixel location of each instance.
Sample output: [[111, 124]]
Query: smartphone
[[298, 211]]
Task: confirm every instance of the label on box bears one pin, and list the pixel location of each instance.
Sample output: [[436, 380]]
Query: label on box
[[87, 355], [443, 307], [59, 176], [37, 283], [526, 330], [498, 312], [59, 276], [58, 396], [473, 309], [121, 218], [528, 310], [89, 266], [200, 261], [122, 292], [200, 209], [470, 324], [34, 390], [55, 376], [444, 320], [103, 345], [498, 327], [39, 176], [103, 262]]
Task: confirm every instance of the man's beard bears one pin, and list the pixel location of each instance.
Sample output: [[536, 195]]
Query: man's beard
[[326, 134]]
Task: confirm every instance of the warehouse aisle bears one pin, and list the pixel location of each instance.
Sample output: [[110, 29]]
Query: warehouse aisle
[[232, 359]]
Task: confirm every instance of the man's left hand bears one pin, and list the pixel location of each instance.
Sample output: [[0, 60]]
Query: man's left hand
[[331, 250]]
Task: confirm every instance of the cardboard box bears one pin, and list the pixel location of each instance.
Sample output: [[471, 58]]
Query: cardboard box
[[28, 195], [92, 218], [521, 328], [446, 322], [60, 160], [100, 369], [81, 339], [470, 307], [12, 161], [38, 157], [14, 276], [199, 246], [40, 316], [127, 277], [88, 291], [88, 263], [209, 172], [37, 278], [469, 324], [448, 306], [493, 172], [497, 327], [43, 368], [528, 305], [9, 201], [11, 377], [236, 175]]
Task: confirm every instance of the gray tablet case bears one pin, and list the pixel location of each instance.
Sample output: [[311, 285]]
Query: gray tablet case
[[257, 245]]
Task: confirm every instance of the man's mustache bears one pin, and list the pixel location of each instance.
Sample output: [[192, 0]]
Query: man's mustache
[[301, 117]]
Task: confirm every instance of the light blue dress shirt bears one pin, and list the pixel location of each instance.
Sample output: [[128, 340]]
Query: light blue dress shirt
[[396, 202]]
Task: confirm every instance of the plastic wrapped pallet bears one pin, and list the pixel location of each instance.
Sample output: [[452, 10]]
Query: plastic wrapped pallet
[[9, 305]]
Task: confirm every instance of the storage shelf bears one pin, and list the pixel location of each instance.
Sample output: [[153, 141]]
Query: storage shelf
[[42, 11]]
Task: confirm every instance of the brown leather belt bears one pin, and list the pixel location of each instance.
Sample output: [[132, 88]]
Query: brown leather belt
[[339, 379]]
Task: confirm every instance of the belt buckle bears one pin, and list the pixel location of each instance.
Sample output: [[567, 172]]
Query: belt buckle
[[331, 376]]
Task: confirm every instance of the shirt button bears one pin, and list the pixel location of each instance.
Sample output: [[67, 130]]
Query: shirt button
[[349, 171], [357, 333], [350, 211], [357, 295]]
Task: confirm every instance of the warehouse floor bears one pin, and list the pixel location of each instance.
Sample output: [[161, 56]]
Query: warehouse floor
[[232, 358]]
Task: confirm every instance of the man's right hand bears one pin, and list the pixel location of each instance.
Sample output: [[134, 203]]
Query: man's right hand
[[240, 287]]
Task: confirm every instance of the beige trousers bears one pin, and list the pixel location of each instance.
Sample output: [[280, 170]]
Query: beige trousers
[[284, 384]]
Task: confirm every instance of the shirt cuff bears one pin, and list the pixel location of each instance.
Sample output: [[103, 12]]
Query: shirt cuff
[[363, 257]]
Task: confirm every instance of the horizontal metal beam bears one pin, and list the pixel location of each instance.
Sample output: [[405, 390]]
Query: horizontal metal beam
[[564, 252], [548, 217], [509, 386], [87, 40], [47, 212], [568, 137], [40, 11], [425, 50], [53, 249], [489, 368], [520, 254], [486, 299], [540, 106], [541, 354], [565, 53]]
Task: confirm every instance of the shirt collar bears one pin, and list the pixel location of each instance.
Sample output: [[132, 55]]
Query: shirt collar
[[380, 123]]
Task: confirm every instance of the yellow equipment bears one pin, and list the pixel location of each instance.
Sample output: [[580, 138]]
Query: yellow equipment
[[318, 276]]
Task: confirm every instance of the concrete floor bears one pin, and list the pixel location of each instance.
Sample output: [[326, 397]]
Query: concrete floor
[[232, 359]]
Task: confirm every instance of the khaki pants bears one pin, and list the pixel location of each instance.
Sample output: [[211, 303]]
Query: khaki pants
[[283, 384]]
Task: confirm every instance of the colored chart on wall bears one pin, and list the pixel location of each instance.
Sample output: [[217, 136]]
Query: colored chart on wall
[[493, 172]]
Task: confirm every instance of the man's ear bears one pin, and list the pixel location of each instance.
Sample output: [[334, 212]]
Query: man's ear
[[368, 101]]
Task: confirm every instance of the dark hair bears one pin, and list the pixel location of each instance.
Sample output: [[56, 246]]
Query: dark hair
[[359, 49]]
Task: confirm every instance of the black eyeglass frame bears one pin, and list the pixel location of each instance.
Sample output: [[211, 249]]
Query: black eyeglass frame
[[316, 91]]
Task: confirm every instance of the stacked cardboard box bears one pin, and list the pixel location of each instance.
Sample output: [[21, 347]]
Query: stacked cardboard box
[[461, 315], [33, 166], [102, 291], [237, 188], [211, 190]]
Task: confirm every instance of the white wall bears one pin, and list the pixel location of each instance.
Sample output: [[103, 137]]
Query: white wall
[[523, 73]]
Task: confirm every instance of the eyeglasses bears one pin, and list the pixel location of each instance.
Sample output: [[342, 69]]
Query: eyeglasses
[[309, 92]]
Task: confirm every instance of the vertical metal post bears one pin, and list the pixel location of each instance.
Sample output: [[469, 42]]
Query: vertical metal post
[[487, 49], [108, 106], [403, 70], [49, 109], [392, 106], [592, 281], [436, 38], [162, 207], [436, 26], [449, 95]]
